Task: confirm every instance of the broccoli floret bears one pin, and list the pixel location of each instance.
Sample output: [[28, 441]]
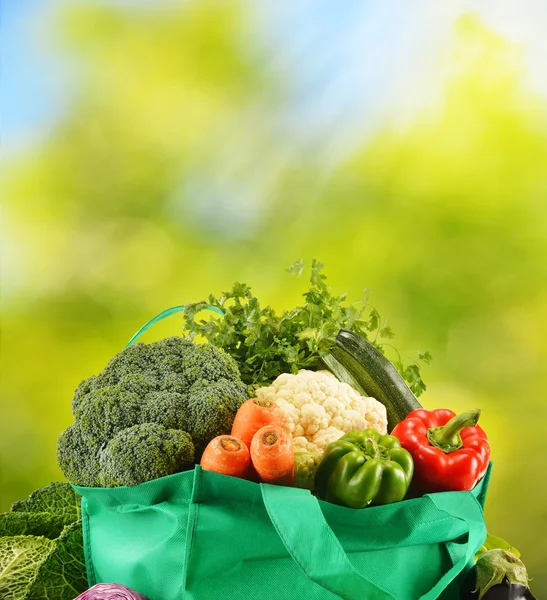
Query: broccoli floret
[[81, 393], [138, 383], [105, 411], [165, 408], [207, 363], [144, 452], [133, 360], [173, 383], [211, 409], [78, 457]]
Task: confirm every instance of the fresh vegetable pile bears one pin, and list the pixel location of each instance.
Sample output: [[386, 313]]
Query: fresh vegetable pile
[[304, 398]]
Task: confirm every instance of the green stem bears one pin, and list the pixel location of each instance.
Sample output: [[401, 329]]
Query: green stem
[[372, 450], [448, 437]]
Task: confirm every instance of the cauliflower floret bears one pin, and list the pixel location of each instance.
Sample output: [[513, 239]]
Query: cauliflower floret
[[326, 436], [318, 409], [313, 417]]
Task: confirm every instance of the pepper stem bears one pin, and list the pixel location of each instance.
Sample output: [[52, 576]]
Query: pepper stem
[[372, 448], [447, 437]]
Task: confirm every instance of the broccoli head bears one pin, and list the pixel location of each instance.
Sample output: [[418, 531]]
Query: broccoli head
[[174, 384], [144, 452]]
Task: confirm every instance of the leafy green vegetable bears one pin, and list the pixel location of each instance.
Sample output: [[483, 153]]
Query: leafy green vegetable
[[34, 567], [26, 523], [45, 512], [266, 344], [41, 547], [62, 575], [58, 498], [20, 559]]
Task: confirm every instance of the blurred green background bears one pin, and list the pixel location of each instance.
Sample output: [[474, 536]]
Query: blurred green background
[[156, 152]]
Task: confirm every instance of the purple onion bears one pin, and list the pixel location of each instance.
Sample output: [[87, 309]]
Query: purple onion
[[110, 591]]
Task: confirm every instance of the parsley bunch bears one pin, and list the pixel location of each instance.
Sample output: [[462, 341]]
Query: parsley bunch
[[266, 344]]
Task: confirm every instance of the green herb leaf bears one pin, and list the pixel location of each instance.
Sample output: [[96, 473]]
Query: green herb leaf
[[425, 356], [296, 268], [418, 388], [266, 344], [374, 321], [386, 332]]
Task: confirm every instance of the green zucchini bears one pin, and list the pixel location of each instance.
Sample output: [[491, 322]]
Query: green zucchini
[[374, 374]]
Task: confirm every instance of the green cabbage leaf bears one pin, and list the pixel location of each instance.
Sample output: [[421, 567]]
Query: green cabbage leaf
[[41, 547]]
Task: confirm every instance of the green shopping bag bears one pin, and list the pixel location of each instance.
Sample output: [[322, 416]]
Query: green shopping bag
[[199, 535], [204, 536]]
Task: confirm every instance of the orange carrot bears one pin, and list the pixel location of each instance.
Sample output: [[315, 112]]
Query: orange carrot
[[252, 415], [227, 455], [272, 455]]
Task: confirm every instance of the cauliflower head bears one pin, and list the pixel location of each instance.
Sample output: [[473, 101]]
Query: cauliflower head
[[318, 409]]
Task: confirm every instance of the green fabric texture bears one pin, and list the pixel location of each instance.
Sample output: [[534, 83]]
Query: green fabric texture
[[203, 536]]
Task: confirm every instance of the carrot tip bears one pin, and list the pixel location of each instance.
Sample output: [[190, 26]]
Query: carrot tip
[[230, 444], [262, 402], [269, 438]]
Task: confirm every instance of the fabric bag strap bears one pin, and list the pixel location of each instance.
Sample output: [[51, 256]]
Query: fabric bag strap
[[163, 315], [301, 525], [299, 521], [469, 510]]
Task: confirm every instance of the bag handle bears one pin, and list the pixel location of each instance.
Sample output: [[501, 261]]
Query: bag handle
[[301, 525], [299, 521], [476, 527], [163, 315]]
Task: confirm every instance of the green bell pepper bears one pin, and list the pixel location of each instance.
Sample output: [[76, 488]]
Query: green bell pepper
[[364, 468]]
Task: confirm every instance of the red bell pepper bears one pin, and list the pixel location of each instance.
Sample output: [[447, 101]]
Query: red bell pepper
[[451, 452]]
